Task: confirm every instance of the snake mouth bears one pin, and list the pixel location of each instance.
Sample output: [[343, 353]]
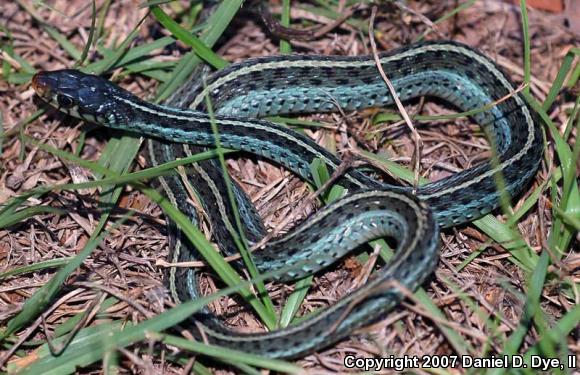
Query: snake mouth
[[43, 85]]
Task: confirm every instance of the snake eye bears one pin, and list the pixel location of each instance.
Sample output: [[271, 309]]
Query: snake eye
[[65, 101]]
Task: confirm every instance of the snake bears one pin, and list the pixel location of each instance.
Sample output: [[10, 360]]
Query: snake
[[243, 94]]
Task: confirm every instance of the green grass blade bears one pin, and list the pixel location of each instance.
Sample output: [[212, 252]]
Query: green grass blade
[[534, 292], [91, 343], [553, 337], [118, 155], [135, 54], [561, 235], [64, 42], [224, 270], [48, 364], [186, 37], [229, 355], [285, 47], [40, 299], [8, 48], [295, 300], [111, 61], [217, 24], [528, 204], [87, 48], [37, 266], [575, 76], [16, 217], [238, 234], [559, 80], [526, 37], [115, 178]]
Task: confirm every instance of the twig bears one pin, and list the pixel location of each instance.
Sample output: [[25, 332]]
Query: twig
[[416, 137], [422, 17], [290, 34]]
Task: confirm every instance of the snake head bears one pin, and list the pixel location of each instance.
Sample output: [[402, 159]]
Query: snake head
[[78, 94]]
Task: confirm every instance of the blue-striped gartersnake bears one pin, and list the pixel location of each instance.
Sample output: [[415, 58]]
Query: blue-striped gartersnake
[[269, 86]]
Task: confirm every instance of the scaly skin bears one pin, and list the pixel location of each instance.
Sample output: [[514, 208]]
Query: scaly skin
[[372, 209]]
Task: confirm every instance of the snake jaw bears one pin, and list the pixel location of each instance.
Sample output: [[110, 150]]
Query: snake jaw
[[78, 94], [84, 96], [43, 85]]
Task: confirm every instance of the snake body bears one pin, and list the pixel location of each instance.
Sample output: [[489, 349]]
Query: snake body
[[244, 92]]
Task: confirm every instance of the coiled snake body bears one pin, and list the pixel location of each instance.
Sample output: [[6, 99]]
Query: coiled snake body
[[372, 209]]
